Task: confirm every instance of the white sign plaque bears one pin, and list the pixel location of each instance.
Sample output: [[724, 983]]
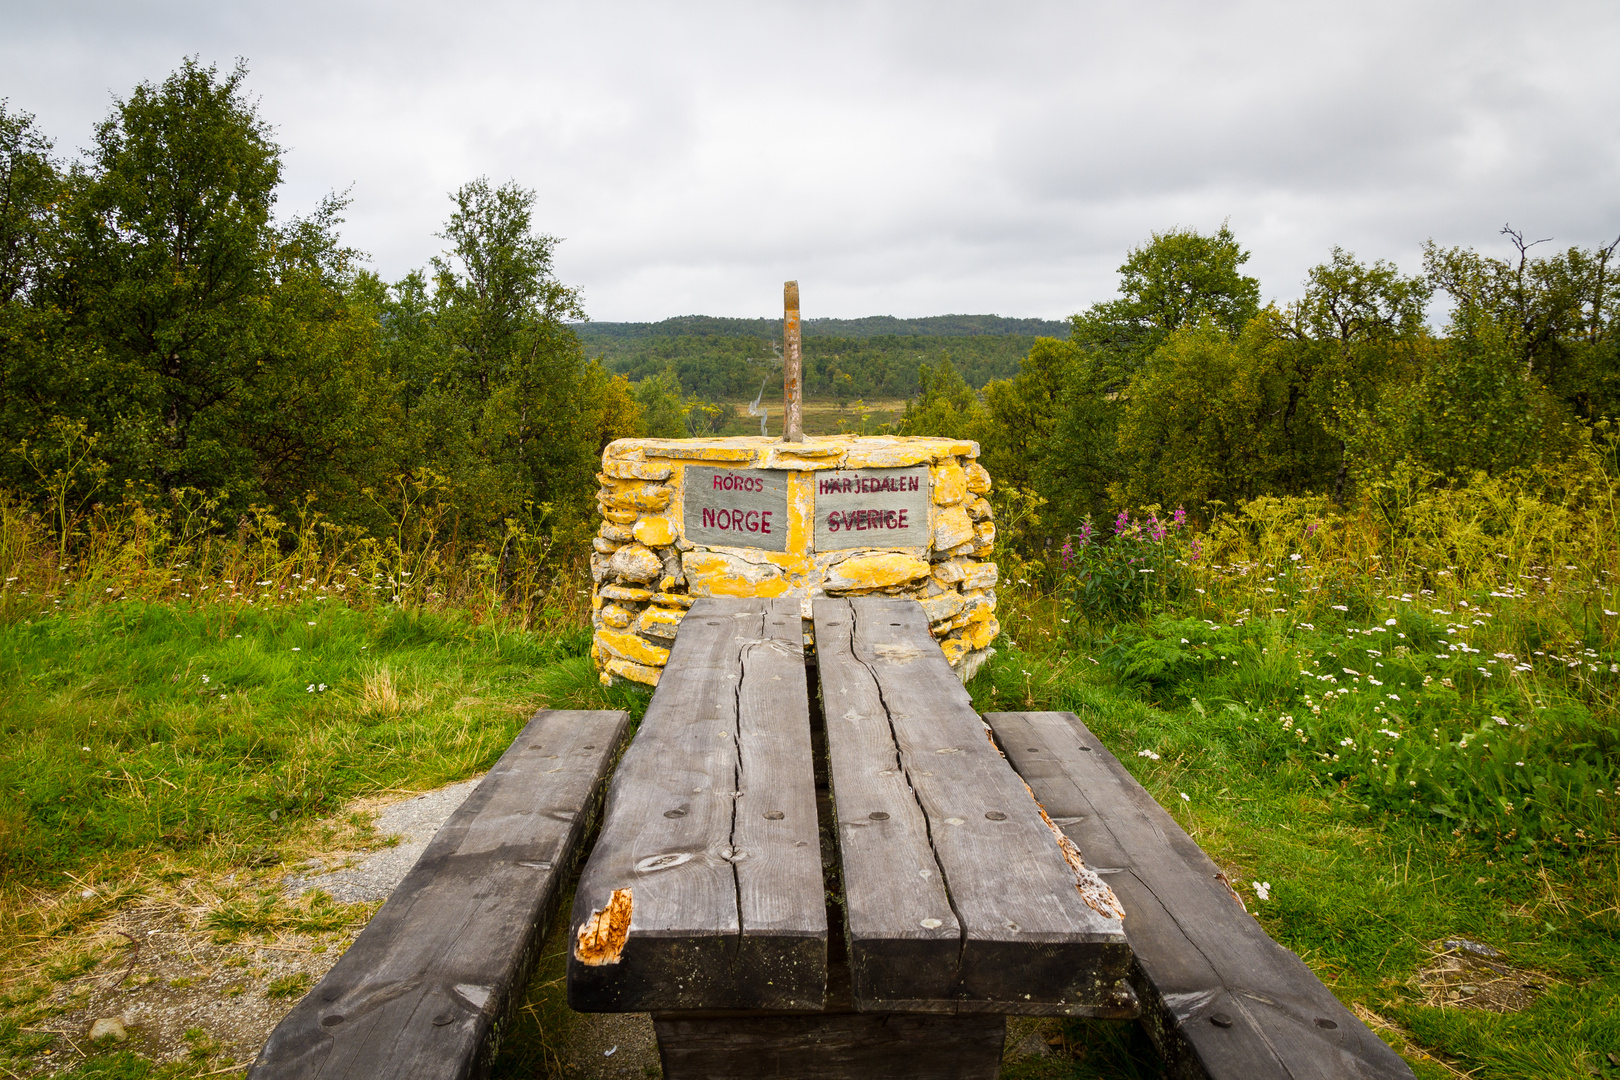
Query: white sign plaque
[[878, 508], [736, 507]]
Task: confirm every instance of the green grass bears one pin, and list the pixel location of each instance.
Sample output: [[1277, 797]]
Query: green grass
[[141, 729], [213, 749], [153, 751], [1361, 884]]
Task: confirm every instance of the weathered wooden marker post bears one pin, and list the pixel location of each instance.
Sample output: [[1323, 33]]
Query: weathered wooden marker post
[[792, 366]]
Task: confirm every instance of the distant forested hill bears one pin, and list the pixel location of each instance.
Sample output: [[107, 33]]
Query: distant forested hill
[[875, 357]]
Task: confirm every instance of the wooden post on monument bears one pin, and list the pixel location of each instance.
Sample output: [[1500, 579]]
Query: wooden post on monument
[[792, 366]]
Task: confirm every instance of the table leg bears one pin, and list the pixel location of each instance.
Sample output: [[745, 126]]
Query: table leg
[[830, 1046]]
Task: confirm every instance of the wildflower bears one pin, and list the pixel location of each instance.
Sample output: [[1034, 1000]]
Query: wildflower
[[205, 680], [1295, 557], [1347, 741], [1338, 607], [310, 689], [1184, 796], [1393, 697], [1150, 755], [1606, 611], [1391, 734], [1122, 522], [1179, 518], [1262, 889], [297, 649]]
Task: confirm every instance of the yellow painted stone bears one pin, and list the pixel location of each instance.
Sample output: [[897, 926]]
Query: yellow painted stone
[[660, 622], [619, 534], [604, 545], [978, 509], [984, 537], [616, 617], [952, 527], [621, 517], [625, 592], [596, 601], [954, 649], [635, 497], [629, 669], [978, 478], [631, 647], [950, 484], [979, 635], [715, 573], [635, 563], [669, 599], [635, 470], [876, 571], [702, 453], [943, 606], [886, 454], [950, 571], [655, 531], [982, 575]]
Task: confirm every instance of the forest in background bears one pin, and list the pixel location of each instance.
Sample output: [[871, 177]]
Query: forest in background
[[169, 340]]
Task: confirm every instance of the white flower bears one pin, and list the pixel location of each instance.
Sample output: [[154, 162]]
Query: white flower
[[1500, 720], [1520, 764], [1347, 741], [1147, 754], [297, 649], [1391, 734], [1295, 557], [1338, 607], [1262, 889], [1389, 622], [310, 688], [312, 622], [1184, 796]]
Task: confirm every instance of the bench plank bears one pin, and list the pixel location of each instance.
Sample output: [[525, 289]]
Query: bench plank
[[958, 897], [420, 991], [1222, 1000], [710, 824]]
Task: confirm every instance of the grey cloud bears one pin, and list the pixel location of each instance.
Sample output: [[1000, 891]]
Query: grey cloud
[[899, 158]]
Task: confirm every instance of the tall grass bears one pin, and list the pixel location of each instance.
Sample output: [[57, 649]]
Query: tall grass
[[1458, 659], [179, 550]]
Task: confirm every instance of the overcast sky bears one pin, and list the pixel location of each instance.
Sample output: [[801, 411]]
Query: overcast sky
[[900, 159]]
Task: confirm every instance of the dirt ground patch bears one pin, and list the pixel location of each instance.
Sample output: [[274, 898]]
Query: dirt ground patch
[[1467, 975]]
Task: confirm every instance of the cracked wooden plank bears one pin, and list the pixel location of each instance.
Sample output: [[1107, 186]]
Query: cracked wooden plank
[[710, 827], [447, 957], [1221, 1000], [957, 895]]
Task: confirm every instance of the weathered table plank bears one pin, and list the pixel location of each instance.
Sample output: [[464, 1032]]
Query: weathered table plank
[[421, 989], [709, 832], [958, 897], [1221, 999]]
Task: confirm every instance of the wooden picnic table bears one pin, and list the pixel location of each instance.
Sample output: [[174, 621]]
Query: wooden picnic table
[[713, 885]]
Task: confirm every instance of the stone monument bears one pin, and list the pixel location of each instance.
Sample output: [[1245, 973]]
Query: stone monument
[[834, 515]]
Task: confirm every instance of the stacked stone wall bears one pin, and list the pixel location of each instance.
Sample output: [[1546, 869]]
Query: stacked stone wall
[[647, 573]]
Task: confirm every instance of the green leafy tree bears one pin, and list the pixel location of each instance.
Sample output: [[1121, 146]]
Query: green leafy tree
[[171, 246], [1178, 279]]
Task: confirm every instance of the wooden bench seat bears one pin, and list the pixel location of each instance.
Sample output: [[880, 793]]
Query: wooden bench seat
[[704, 890], [421, 991], [957, 895], [1221, 1000]]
